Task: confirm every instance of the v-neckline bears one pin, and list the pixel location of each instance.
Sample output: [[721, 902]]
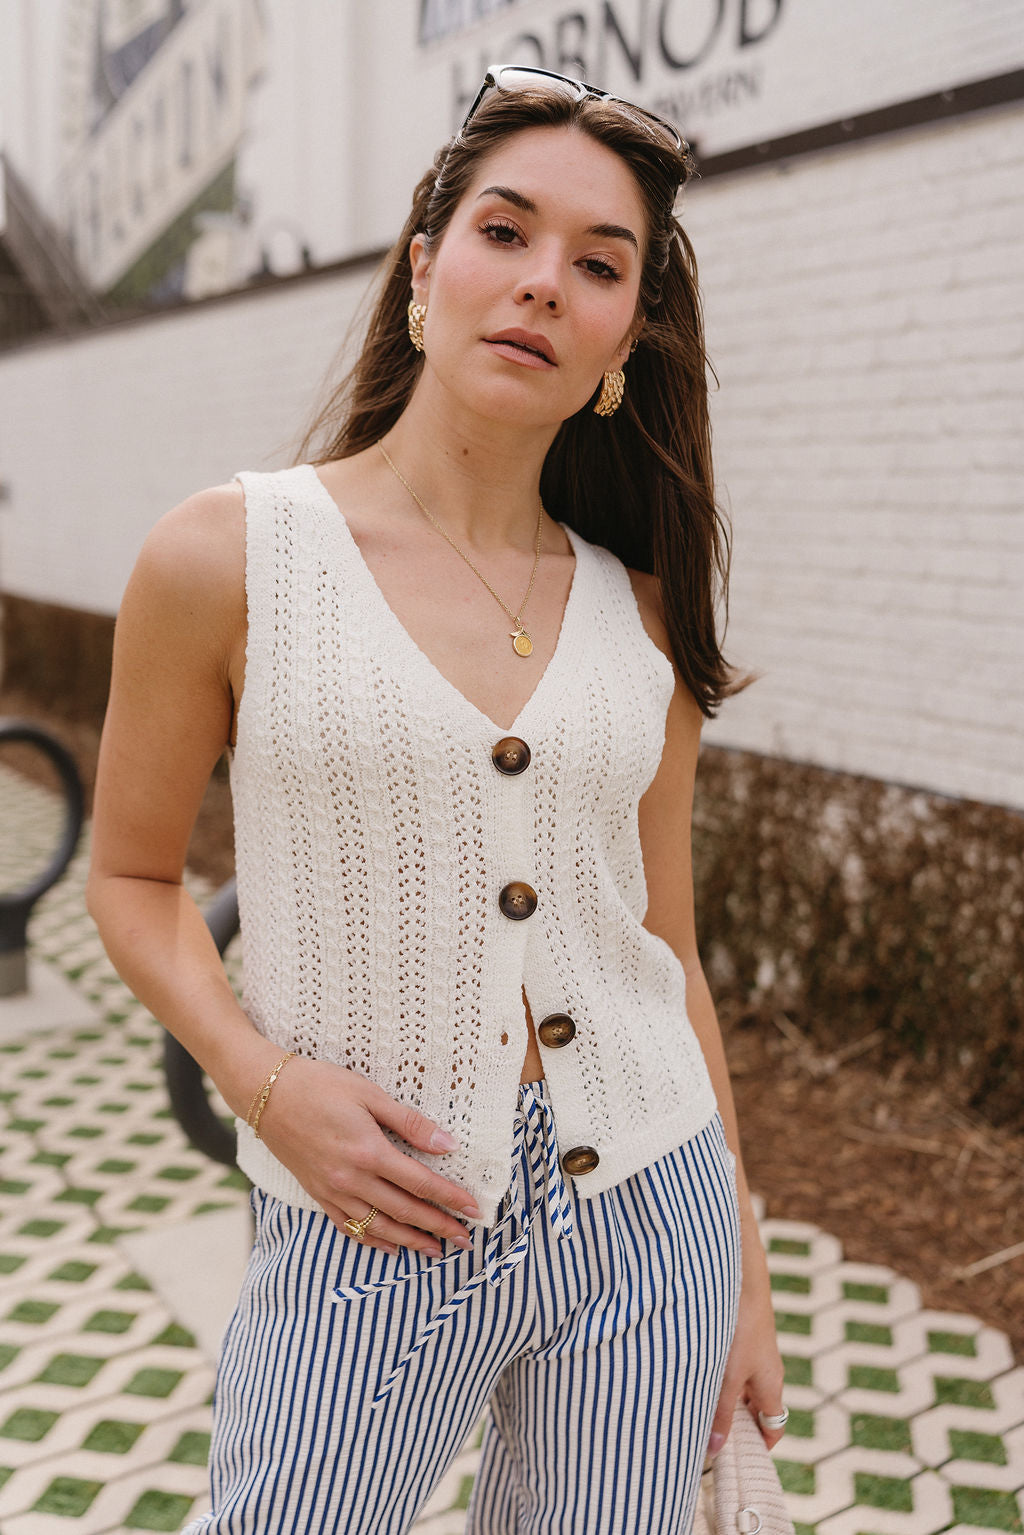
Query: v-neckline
[[556, 662]]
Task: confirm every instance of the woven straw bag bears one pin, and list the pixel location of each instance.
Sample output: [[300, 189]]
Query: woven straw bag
[[740, 1492]]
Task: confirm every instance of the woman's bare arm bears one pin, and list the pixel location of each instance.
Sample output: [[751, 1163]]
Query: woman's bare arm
[[178, 656], [665, 816]]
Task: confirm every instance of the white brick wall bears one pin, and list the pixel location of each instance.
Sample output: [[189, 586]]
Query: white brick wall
[[864, 312], [102, 435]]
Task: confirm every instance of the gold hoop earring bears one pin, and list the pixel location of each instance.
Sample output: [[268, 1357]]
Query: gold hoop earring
[[417, 315], [612, 390]]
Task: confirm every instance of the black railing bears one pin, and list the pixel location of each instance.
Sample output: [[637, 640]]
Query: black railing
[[16, 906]]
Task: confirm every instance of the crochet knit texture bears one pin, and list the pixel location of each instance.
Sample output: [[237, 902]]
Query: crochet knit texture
[[374, 835]]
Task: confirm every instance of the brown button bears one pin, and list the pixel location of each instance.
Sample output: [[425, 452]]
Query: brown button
[[510, 755], [556, 1030], [581, 1159], [518, 900]]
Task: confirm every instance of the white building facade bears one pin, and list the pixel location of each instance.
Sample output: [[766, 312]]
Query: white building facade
[[858, 227]]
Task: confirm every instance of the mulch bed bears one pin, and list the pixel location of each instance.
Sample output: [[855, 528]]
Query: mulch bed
[[889, 1160]]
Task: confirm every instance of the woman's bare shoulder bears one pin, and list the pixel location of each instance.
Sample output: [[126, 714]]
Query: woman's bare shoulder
[[198, 545], [647, 591]]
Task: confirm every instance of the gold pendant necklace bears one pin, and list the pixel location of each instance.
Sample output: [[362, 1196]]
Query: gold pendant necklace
[[521, 641]]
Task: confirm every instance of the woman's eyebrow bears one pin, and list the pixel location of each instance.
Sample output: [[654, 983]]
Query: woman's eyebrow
[[527, 205]]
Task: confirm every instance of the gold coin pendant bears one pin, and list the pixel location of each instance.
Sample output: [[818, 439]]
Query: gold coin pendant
[[522, 644]]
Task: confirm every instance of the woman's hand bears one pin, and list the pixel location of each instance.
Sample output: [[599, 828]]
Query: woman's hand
[[754, 1369], [324, 1123]]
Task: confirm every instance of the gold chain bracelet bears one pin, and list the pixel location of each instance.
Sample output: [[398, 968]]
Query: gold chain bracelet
[[259, 1102]]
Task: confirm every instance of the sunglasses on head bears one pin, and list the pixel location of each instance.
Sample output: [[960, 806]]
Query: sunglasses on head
[[516, 77]]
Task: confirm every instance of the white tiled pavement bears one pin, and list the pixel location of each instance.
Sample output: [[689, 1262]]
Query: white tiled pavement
[[120, 1248]]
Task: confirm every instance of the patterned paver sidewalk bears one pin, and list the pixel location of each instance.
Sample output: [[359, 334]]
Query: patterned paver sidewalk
[[903, 1420]]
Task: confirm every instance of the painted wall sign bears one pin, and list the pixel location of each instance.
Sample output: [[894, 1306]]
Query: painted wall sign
[[155, 107]]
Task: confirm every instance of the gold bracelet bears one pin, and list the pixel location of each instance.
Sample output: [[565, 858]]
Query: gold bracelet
[[259, 1102]]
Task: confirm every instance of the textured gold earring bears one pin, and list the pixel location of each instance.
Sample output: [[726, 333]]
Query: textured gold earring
[[417, 314], [612, 390]]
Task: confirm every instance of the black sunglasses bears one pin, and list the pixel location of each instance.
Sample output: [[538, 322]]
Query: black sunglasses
[[511, 77]]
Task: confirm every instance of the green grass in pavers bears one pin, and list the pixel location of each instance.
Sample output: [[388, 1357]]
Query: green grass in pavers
[[892, 1492], [868, 1332], [133, 1281], [791, 1284], [6, 1472], [61, 1055], [8, 1353], [86, 1036], [110, 1321], [175, 1336], [158, 1511], [790, 1245], [465, 1492], [801, 1423], [29, 1424], [10, 1263], [41, 1228], [874, 1432], [178, 1174], [798, 1372], [73, 1272], [59, 1101], [113, 1060], [211, 1204], [116, 1165], [192, 1448], [52, 1158], [112, 1108], [234, 1179], [70, 1370], [87, 1132], [803, 1529], [33, 1074], [795, 1476], [952, 1343], [14, 1186], [875, 1294], [78, 1196], [153, 1382], [149, 1204], [870, 1377], [985, 1506], [965, 1393], [26, 1126], [36, 1311], [105, 1236], [966, 1444], [145, 1138], [69, 1496], [113, 1436]]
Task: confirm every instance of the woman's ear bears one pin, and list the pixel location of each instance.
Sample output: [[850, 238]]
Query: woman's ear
[[629, 342], [420, 264]]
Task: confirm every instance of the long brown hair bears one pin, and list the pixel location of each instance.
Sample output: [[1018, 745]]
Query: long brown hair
[[641, 482]]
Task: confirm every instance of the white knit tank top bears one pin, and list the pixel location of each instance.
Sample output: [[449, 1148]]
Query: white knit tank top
[[375, 837]]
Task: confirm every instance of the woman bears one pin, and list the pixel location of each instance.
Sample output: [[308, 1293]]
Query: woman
[[419, 881]]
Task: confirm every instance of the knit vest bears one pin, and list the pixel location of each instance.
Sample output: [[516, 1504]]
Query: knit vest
[[375, 837]]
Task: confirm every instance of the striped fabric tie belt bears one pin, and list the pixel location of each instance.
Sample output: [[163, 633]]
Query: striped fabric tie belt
[[509, 1240]]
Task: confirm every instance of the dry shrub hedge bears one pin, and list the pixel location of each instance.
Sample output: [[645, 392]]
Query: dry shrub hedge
[[852, 905]]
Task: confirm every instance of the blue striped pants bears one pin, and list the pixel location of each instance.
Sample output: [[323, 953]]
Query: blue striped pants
[[597, 1330]]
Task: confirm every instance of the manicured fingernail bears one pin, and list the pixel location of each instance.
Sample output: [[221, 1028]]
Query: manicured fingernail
[[716, 1443], [442, 1141], [473, 1211]]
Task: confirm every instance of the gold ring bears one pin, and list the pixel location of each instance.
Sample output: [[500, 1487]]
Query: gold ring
[[356, 1228]]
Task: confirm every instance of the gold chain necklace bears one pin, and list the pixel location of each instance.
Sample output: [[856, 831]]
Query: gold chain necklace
[[521, 641]]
